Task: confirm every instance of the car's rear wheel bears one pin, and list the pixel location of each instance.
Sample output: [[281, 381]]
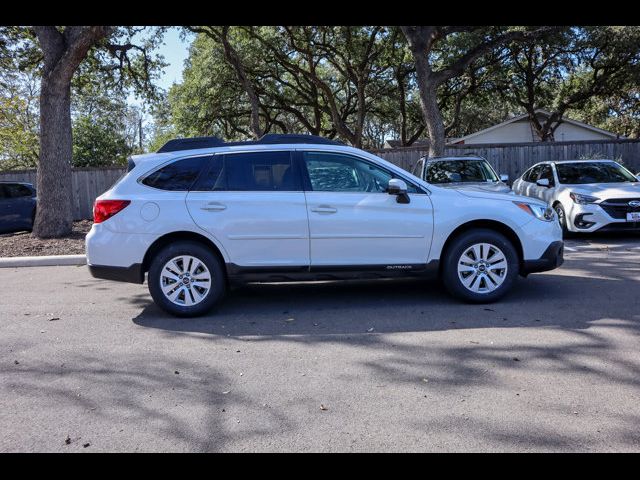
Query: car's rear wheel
[[480, 266], [186, 279]]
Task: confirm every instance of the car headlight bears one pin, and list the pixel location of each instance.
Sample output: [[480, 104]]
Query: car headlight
[[582, 199], [546, 214]]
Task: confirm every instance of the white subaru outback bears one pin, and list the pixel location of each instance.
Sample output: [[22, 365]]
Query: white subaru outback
[[201, 213]]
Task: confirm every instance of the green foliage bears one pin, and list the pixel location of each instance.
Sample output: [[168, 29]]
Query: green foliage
[[18, 139], [163, 129], [589, 73], [331, 81], [618, 113], [124, 62], [355, 83], [98, 143], [18, 121], [105, 128]]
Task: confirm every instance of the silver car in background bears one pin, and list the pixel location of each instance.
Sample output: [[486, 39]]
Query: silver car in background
[[467, 171], [587, 195]]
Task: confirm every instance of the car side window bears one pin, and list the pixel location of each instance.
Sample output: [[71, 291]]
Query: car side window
[[214, 177], [260, 171], [532, 176], [3, 193], [15, 190], [547, 173], [177, 176], [335, 172]]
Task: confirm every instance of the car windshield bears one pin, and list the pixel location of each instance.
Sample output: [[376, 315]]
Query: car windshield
[[454, 171], [593, 172]]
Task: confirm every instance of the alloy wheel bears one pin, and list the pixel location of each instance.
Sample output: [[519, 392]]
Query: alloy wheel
[[482, 268], [185, 280]]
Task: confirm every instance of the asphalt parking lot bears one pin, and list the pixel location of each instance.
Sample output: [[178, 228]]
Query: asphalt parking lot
[[91, 365]]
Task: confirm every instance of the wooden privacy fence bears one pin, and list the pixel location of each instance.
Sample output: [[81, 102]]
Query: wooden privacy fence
[[512, 159]]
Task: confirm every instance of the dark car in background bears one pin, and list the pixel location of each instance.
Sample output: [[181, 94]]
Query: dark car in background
[[470, 170], [17, 206]]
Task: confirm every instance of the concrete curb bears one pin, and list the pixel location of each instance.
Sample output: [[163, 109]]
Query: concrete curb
[[46, 261]]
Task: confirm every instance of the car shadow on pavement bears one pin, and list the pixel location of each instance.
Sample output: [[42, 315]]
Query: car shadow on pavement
[[339, 308]]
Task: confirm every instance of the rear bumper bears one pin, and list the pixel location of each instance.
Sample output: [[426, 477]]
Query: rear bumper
[[132, 274], [552, 258]]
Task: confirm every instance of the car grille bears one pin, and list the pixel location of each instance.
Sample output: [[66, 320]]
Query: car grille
[[619, 207]]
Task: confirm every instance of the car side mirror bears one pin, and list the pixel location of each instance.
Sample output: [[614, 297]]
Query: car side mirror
[[504, 178], [543, 182], [399, 188]]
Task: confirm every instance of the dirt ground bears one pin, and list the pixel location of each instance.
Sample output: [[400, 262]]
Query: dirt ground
[[24, 244]]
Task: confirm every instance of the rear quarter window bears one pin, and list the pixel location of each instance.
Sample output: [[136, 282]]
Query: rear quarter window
[[16, 190], [176, 176]]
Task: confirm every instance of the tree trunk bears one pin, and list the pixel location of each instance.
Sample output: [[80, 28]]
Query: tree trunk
[[434, 122], [62, 52], [54, 215], [403, 108], [361, 114], [233, 58], [420, 44], [430, 110]]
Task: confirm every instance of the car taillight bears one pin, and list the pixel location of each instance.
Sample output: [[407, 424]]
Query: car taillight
[[105, 209]]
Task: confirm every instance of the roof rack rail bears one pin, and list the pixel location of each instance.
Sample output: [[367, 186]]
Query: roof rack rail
[[275, 138], [269, 139], [452, 156], [191, 144]]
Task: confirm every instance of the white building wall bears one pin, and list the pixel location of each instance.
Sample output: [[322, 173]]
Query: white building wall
[[521, 132], [567, 132], [511, 133]]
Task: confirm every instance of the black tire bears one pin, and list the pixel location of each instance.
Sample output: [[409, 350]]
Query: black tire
[[562, 218], [208, 258], [33, 220], [454, 252]]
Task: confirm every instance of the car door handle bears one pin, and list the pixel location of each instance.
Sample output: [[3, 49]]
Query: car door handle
[[214, 207], [324, 209]]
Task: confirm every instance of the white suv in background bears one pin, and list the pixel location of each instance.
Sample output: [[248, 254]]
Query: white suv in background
[[587, 195], [201, 213]]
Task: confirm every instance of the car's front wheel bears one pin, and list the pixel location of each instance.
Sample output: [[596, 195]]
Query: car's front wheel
[[186, 279], [562, 217], [480, 266]]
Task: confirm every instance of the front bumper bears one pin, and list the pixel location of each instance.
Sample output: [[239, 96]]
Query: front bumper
[[552, 258], [599, 218]]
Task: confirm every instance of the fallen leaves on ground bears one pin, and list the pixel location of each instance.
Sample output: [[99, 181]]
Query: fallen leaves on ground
[[24, 244]]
